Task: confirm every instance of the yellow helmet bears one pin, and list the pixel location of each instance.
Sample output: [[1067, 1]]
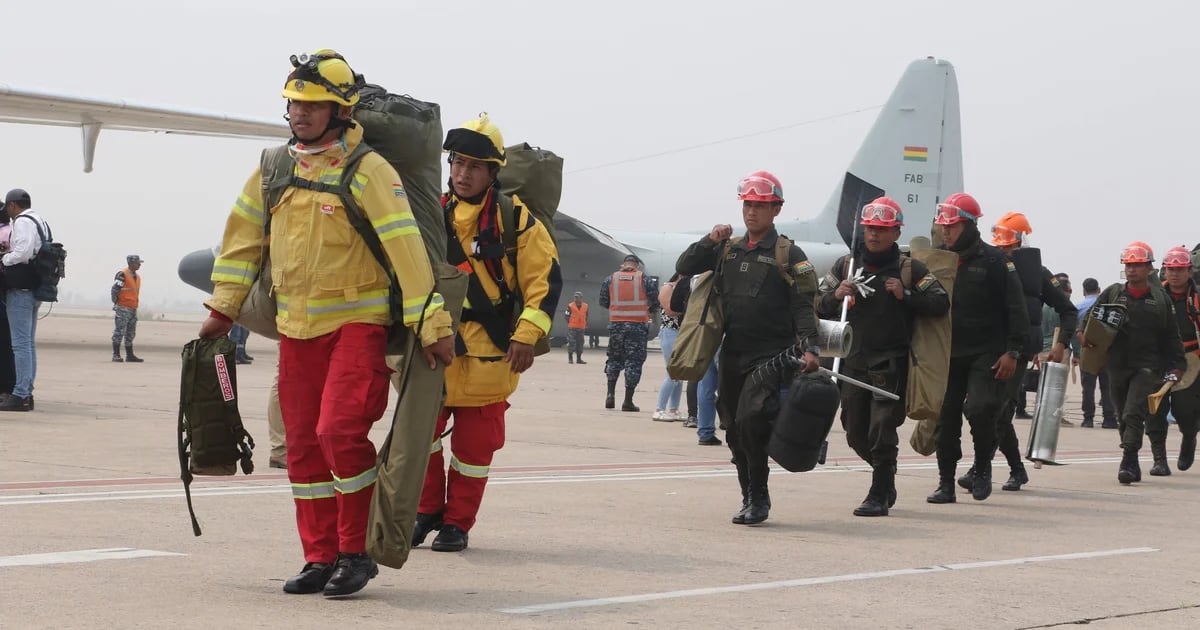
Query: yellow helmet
[[478, 139], [323, 76]]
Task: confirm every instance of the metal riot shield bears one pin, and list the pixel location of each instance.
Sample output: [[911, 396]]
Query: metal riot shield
[[1043, 431], [1099, 332]]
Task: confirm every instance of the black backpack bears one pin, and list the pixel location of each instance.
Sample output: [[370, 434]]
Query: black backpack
[[48, 265]]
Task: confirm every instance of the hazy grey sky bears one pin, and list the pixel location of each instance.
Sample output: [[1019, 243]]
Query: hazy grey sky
[[1080, 114]]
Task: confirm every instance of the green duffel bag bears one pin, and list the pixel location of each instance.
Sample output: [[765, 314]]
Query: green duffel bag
[[407, 132], [211, 438], [535, 175], [700, 332]]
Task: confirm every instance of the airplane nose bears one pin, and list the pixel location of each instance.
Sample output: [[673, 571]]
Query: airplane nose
[[196, 269]]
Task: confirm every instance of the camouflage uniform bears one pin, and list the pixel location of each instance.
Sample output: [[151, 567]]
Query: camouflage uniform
[[626, 351], [126, 325]]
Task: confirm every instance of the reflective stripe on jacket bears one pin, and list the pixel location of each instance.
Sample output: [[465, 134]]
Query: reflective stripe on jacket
[[627, 298], [323, 275]]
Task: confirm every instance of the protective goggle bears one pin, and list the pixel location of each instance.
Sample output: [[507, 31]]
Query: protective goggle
[[1177, 259], [882, 212], [1137, 254], [948, 213], [758, 186], [1007, 235], [306, 68]]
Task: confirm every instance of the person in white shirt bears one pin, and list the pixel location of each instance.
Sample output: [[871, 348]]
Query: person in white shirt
[[20, 279]]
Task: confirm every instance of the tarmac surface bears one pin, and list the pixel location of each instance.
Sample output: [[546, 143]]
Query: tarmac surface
[[592, 519]]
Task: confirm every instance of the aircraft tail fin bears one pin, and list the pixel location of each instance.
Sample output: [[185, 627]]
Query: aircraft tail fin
[[912, 154]]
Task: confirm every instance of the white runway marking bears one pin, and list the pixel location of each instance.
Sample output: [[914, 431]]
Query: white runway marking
[[284, 488], [830, 579], [86, 555]]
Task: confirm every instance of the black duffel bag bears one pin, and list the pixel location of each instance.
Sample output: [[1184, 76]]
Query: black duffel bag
[[802, 426]]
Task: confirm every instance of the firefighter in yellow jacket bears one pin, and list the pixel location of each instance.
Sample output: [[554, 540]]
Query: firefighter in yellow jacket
[[334, 308], [512, 297]]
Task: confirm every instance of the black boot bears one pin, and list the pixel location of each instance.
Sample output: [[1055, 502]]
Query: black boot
[[117, 353], [743, 472], [760, 505], [891, 490], [425, 524], [451, 538], [1160, 468], [1017, 477], [876, 502], [1187, 452], [628, 404], [610, 401], [944, 492], [311, 579], [570, 358], [1129, 470], [129, 356], [967, 481], [982, 488], [579, 358], [350, 574]]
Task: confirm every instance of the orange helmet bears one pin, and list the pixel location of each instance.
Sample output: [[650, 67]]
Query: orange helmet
[[760, 186], [1010, 230], [1137, 252], [957, 208], [1177, 258], [883, 212]]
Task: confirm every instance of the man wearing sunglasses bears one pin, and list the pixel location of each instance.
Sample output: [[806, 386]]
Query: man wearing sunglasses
[[767, 310], [1009, 234], [882, 309], [1146, 352], [989, 330]]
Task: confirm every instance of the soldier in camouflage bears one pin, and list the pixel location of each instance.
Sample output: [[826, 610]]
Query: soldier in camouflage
[[631, 297], [126, 288]]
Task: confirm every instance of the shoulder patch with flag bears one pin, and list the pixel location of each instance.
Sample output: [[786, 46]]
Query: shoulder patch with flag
[[926, 282], [802, 267], [1054, 281], [1011, 267], [398, 189]]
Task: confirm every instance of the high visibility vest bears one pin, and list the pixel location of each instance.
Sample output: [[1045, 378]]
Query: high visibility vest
[[578, 315], [627, 298], [128, 295]]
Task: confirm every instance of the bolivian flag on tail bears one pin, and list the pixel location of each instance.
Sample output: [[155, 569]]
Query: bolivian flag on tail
[[916, 154]]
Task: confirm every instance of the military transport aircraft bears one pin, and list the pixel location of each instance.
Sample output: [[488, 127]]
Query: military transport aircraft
[[913, 153]]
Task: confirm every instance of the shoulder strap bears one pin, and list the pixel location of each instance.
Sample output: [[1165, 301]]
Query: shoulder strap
[[37, 225], [275, 172], [906, 272], [783, 258]]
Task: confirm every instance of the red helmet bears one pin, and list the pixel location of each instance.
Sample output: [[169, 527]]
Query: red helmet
[[1137, 252], [760, 186], [1177, 258], [883, 212], [957, 208]]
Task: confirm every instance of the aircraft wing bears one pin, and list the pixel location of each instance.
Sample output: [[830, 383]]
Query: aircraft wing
[[92, 115]]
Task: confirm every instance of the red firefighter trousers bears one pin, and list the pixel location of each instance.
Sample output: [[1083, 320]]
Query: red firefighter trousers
[[478, 433], [331, 390]]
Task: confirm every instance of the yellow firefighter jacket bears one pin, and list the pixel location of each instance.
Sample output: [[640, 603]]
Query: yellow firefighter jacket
[[323, 275], [482, 376]]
